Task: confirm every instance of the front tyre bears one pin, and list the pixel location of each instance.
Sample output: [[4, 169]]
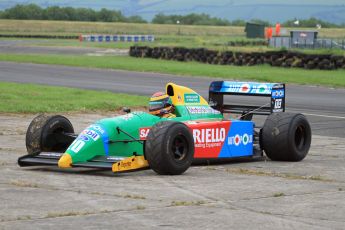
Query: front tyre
[[286, 137], [169, 148], [43, 134]]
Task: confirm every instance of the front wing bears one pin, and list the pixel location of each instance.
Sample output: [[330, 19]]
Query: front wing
[[116, 164]]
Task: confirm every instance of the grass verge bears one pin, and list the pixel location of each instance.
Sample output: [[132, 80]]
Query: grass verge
[[30, 98], [256, 73], [190, 41], [76, 28]]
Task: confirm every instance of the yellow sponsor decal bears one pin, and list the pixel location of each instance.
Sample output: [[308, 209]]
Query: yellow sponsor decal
[[130, 163]]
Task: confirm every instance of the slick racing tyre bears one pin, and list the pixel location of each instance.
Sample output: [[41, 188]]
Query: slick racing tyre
[[169, 148], [43, 134], [286, 137]]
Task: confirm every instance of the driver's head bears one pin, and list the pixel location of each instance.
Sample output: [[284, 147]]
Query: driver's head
[[160, 104]]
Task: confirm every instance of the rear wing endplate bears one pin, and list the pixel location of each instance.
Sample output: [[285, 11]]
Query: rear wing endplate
[[275, 91]]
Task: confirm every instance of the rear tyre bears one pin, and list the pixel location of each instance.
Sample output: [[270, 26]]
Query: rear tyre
[[169, 148], [43, 131], [286, 137]]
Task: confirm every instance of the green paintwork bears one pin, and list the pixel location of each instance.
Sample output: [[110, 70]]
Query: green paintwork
[[94, 140]]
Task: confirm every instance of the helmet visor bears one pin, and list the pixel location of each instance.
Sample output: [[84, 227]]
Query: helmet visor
[[156, 105], [159, 104]]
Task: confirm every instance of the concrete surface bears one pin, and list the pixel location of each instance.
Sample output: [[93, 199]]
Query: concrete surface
[[247, 195]]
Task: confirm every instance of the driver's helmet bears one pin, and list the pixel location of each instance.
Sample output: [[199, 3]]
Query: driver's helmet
[[160, 104]]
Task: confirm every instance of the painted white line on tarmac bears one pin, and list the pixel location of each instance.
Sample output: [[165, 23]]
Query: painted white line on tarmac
[[319, 115]]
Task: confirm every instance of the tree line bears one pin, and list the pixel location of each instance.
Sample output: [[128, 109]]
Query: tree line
[[35, 12], [205, 19]]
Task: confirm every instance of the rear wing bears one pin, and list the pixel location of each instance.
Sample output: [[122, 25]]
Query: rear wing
[[275, 91]]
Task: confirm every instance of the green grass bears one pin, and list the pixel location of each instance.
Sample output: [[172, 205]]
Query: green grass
[[30, 98], [210, 42], [192, 36], [257, 73], [190, 41], [278, 194], [76, 28], [321, 51]]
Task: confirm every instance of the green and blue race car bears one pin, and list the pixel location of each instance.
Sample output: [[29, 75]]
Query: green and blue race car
[[198, 130]]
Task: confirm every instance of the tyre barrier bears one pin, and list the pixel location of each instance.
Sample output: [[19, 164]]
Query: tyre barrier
[[274, 58], [116, 38], [248, 43]]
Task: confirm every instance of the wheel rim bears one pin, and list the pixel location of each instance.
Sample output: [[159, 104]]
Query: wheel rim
[[300, 137], [52, 144], [179, 148]]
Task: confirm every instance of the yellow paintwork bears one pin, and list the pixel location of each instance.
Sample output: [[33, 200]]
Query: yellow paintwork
[[65, 161], [130, 163], [179, 92]]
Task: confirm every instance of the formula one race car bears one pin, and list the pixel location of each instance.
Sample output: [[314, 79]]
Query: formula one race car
[[140, 140]]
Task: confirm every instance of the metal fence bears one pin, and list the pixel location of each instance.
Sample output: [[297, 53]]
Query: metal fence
[[288, 42], [116, 38]]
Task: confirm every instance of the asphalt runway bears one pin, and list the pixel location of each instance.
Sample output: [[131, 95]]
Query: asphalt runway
[[324, 107], [39, 46]]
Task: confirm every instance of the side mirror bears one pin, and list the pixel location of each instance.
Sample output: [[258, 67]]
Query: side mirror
[[126, 110]]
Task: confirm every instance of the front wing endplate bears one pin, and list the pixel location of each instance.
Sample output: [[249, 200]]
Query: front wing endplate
[[130, 164]]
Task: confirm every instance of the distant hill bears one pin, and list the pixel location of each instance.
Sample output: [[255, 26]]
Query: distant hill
[[270, 10]]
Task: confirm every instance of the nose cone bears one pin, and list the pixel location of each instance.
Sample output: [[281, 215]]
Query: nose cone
[[65, 161]]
